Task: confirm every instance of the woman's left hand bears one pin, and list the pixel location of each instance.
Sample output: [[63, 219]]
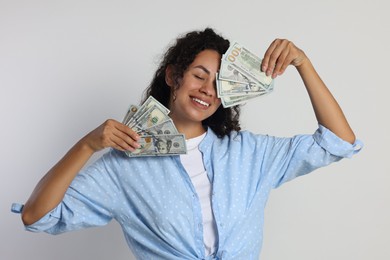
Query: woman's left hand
[[279, 55]]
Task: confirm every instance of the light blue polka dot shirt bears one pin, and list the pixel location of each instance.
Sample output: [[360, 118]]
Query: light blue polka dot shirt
[[155, 203]]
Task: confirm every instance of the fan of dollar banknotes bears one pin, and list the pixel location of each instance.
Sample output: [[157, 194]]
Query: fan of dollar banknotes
[[158, 133], [240, 78]]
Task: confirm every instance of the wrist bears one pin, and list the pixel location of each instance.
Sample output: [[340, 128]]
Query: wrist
[[86, 146], [304, 64]]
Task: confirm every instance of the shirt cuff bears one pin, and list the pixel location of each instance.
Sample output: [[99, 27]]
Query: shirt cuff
[[49, 220], [334, 144]]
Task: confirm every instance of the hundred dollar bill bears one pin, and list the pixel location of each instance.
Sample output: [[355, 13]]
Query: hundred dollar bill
[[229, 101], [164, 128], [130, 112], [231, 88], [153, 116], [149, 102], [247, 63], [229, 73], [160, 145]]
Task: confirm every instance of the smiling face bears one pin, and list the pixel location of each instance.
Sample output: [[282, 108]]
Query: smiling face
[[196, 98]]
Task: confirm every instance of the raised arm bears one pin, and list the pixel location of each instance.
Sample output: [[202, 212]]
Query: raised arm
[[282, 53], [51, 189]]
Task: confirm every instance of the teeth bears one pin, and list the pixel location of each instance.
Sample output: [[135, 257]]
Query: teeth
[[201, 102]]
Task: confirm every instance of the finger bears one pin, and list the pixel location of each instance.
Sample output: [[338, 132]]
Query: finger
[[118, 136], [120, 143], [267, 54], [128, 131], [127, 141], [281, 61], [277, 57], [273, 55], [125, 131], [288, 60]]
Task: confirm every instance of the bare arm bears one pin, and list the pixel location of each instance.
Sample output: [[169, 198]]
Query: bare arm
[[282, 53], [52, 187]]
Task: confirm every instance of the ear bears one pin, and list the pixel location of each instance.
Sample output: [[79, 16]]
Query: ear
[[168, 76]]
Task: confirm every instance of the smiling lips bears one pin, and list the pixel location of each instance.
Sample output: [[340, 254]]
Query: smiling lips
[[201, 102]]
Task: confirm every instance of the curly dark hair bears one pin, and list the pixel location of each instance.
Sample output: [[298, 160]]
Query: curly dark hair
[[180, 56]]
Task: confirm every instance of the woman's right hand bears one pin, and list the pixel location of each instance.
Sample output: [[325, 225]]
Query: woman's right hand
[[112, 134]]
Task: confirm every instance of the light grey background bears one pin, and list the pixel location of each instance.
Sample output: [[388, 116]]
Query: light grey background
[[66, 66]]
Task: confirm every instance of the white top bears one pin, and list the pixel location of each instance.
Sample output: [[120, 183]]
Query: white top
[[193, 164]]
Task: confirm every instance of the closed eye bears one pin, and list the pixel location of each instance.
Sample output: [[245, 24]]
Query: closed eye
[[199, 77]]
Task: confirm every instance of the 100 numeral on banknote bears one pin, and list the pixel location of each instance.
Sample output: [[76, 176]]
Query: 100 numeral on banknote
[[240, 78]]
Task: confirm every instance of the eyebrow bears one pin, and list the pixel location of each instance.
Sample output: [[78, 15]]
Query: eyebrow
[[203, 68]]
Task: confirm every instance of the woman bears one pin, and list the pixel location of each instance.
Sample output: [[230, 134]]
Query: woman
[[209, 203]]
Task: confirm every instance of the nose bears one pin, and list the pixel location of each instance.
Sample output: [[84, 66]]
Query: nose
[[208, 88]]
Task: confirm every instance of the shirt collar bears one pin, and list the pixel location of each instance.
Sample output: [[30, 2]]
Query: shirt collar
[[205, 144]]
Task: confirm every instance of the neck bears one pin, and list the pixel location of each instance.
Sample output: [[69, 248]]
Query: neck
[[190, 131]]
